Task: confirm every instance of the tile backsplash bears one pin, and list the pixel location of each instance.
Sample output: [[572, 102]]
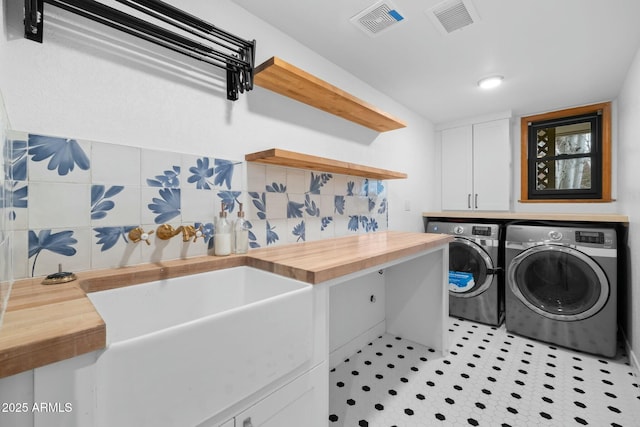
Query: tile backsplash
[[73, 202]]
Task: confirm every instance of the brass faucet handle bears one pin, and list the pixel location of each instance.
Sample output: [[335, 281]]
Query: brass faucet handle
[[165, 231], [199, 233], [138, 234], [190, 231]]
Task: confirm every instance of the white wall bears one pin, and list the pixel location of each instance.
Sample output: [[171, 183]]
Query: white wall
[[629, 190], [89, 82]]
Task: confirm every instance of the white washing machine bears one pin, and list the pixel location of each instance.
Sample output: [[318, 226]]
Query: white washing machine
[[561, 285], [474, 258]]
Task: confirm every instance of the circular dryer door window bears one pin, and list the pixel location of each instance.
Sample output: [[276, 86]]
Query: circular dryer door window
[[466, 258], [558, 282]]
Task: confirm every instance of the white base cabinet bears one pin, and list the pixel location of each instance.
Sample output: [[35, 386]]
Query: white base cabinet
[[298, 403], [476, 166]]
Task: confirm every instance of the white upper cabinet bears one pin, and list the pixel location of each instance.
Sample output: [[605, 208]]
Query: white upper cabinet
[[476, 166]]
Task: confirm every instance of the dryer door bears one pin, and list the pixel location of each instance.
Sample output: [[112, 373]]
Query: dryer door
[[558, 282], [466, 256]]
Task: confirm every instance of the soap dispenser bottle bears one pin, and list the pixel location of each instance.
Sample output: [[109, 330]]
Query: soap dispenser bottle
[[222, 235], [241, 233]]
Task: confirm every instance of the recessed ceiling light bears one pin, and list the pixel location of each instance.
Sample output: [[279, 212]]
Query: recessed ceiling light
[[490, 82]]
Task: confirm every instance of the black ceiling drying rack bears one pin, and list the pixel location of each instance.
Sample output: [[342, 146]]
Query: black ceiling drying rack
[[209, 43]]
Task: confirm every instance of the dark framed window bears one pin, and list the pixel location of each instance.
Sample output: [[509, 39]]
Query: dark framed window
[[566, 155]]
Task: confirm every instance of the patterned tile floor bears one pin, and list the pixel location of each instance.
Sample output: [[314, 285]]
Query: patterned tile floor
[[489, 378]]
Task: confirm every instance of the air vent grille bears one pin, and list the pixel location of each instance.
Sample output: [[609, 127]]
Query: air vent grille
[[377, 18], [453, 15]]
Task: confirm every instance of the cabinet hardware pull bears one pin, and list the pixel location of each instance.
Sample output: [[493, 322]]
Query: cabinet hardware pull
[[469, 200], [476, 202]]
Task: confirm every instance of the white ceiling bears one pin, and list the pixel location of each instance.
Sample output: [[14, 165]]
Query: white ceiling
[[552, 53]]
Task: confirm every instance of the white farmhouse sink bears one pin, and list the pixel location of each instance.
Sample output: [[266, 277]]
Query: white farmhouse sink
[[182, 350]]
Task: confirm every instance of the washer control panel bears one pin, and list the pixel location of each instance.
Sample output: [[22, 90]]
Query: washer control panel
[[583, 236], [479, 230]]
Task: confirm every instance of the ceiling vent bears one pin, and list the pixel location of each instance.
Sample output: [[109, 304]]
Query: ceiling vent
[[452, 15], [377, 18]]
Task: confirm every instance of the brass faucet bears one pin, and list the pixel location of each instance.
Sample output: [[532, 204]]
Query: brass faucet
[[166, 231]]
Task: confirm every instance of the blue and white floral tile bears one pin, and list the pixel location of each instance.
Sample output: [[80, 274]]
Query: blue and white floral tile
[[59, 205], [197, 172], [160, 205], [58, 159], [228, 174], [257, 233], [256, 205], [113, 205], [381, 221], [295, 206], [70, 247], [319, 228], [112, 248], [320, 183], [275, 175], [372, 188], [160, 169], [296, 230], [368, 224], [339, 205], [312, 206], [277, 232], [297, 181], [256, 177], [352, 187], [198, 205], [113, 164]]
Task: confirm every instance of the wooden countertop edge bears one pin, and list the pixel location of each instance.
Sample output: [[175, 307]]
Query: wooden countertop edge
[[49, 333], [44, 324], [533, 216]]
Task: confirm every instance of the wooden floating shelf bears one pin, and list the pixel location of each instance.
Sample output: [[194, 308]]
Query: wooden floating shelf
[[283, 78], [292, 159]]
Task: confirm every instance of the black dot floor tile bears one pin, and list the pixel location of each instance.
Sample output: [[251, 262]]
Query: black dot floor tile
[[492, 378]]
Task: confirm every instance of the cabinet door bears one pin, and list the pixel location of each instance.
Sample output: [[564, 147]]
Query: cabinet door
[[303, 402], [457, 168], [491, 165]]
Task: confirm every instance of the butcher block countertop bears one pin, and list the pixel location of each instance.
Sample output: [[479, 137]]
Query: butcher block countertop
[[532, 216], [316, 262], [44, 324]]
